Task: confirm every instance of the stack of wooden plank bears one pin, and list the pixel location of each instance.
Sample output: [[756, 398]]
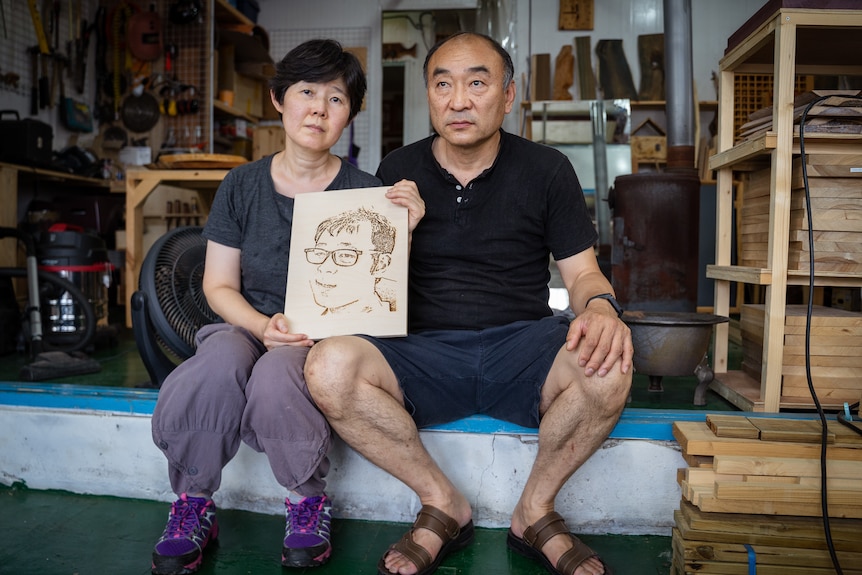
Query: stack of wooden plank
[[836, 215], [839, 113], [752, 93], [751, 496], [835, 352]]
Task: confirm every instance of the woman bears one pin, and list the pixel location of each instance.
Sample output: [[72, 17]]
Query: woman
[[245, 380]]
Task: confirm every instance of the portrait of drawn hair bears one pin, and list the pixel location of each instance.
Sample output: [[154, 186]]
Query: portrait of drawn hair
[[348, 264]]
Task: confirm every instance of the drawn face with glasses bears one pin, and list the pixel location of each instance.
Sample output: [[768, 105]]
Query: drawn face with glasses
[[344, 257], [351, 253]]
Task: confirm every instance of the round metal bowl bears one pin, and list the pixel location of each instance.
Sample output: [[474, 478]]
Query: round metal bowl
[[670, 343]]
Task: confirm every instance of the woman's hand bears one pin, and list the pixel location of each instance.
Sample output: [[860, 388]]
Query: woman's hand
[[405, 193], [277, 333]]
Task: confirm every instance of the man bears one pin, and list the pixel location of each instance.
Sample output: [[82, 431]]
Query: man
[[339, 285], [482, 336]]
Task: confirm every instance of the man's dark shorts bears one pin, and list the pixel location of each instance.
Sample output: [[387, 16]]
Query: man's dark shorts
[[498, 372]]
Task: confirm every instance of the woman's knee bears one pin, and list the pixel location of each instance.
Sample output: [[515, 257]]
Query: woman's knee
[[286, 362], [229, 344]]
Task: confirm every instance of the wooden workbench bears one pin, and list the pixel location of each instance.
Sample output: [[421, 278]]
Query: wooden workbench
[[139, 185]]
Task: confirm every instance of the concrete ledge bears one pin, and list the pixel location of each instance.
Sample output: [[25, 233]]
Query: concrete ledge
[[96, 440]]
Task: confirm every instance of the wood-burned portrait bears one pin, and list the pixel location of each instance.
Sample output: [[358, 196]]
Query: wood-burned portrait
[[348, 265]]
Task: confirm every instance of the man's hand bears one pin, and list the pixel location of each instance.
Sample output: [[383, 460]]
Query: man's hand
[[405, 193], [604, 340], [277, 333]]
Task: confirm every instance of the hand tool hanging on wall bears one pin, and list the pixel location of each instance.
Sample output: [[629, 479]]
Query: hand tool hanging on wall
[[74, 27], [75, 115], [44, 53], [34, 90], [145, 35], [117, 23], [52, 8], [3, 17], [82, 47], [103, 109]]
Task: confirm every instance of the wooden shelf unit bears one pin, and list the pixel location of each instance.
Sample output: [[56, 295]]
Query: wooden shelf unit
[[784, 43]]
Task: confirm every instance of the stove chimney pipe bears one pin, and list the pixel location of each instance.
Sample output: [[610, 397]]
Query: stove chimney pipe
[[679, 84]]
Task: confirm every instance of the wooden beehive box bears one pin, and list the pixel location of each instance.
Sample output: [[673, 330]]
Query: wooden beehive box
[[835, 351], [835, 184]]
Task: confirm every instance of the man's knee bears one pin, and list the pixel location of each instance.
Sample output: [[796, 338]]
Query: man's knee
[[618, 388], [329, 369]]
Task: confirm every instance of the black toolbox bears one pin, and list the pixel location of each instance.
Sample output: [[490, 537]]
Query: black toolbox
[[28, 141]]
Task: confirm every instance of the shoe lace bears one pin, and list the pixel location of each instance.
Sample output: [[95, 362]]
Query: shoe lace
[[305, 515], [184, 519]]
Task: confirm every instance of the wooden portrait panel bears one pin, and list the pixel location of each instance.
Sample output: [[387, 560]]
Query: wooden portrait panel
[[348, 265]]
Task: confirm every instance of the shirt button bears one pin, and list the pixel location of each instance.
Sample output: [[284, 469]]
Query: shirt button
[[458, 187], [193, 470], [163, 444]]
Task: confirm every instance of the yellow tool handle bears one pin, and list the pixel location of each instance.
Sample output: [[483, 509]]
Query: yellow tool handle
[[40, 31]]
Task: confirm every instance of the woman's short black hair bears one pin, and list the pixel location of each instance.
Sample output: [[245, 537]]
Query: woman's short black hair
[[320, 61]]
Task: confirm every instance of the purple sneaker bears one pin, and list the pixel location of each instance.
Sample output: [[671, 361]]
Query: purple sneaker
[[306, 537], [191, 525]]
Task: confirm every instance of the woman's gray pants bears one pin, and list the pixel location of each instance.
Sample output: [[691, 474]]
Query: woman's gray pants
[[232, 389]]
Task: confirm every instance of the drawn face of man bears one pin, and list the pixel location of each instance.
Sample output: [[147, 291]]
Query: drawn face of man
[[346, 271]]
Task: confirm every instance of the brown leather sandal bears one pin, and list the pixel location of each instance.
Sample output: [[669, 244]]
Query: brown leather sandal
[[447, 529], [537, 534]]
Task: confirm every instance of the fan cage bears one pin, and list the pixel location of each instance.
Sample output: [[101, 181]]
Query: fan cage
[[172, 279]]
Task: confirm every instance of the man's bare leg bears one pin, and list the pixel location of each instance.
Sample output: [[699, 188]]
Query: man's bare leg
[[356, 389], [578, 413]]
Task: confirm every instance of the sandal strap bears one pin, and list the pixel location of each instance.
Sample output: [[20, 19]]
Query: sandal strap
[[537, 534], [571, 559], [414, 552], [433, 520]]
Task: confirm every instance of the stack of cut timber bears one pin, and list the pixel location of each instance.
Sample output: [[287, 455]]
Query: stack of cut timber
[[836, 215], [751, 495], [839, 113], [835, 352], [752, 92]]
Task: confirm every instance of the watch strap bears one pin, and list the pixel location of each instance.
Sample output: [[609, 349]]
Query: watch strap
[[610, 299]]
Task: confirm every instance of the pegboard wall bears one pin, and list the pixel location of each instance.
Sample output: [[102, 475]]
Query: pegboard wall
[[282, 41], [92, 52], [18, 44]]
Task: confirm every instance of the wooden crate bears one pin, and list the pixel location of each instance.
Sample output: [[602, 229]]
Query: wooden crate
[[836, 206], [835, 351]]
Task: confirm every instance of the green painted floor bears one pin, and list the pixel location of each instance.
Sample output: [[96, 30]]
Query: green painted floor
[[58, 533]]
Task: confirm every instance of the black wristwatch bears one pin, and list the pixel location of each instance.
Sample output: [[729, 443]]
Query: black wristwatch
[[610, 299]]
